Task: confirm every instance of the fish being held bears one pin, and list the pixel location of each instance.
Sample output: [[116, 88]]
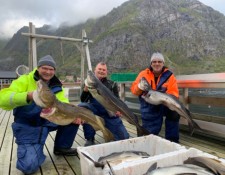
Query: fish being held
[[213, 165], [111, 103], [156, 98], [63, 113]]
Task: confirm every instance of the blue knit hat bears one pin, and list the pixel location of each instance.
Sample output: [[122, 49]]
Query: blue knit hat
[[47, 60]]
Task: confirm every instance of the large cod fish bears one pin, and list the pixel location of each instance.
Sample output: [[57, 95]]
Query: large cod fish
[[192, 166], [63, 113], [111, 103], [156, 98]]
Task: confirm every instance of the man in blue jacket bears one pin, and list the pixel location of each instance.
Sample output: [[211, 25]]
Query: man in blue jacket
[[29, 129]]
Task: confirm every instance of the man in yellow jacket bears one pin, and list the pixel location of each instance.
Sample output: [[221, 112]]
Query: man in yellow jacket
[[29, 129], [161, 79]]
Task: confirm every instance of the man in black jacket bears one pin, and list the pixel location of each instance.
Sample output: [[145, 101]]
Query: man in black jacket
[[114, 124]]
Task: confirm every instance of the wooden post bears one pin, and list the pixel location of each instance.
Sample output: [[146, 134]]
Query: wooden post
[[122, 91], [32, 61], [86, 41], [82, 61], [185, 95], [32, 48]]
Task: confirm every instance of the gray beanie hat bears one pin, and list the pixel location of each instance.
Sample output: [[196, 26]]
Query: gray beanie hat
[[47, 60], [157, 56]]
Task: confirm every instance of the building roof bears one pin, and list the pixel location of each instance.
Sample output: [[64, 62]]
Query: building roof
[[8, 75]]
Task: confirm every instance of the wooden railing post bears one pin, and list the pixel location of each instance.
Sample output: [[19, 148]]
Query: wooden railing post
[[122, 91], [185, 96]]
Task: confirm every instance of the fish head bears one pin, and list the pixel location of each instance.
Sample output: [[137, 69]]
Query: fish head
[[146, 95], [91, 81], [46, 112], [144, 83], [43, 96]]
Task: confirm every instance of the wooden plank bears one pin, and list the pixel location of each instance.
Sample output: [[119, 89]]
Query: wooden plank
[[60, 163], [48, 166], [73, 161], [69, 165], [3, 127], [209, 101], [6, 147], [13, 169]]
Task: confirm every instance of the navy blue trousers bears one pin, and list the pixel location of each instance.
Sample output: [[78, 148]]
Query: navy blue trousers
[[152, 119], [114, 124], [31, 140]]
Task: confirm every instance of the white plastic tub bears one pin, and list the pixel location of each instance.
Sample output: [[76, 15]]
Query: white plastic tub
[[156, 147]]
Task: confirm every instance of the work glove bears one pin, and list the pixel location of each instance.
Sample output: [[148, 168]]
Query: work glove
[[143, 84]]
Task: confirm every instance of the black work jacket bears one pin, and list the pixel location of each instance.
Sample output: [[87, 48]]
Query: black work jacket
[[86, 96]]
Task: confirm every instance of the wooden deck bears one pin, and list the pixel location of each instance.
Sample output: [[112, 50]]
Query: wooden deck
[[70, 165]]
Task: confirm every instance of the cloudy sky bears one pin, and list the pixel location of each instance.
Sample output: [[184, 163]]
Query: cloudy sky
[[18, 13]]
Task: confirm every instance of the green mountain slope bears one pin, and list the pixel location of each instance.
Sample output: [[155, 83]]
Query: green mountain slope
[[189, 34]]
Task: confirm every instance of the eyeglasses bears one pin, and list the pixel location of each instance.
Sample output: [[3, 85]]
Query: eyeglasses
[[157, 62]]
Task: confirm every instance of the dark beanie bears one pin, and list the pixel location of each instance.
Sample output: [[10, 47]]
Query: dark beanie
[[47, 60]]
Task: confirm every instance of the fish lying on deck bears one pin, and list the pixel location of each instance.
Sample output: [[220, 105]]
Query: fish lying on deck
[[64, 113], [111, 103], [156, 98]]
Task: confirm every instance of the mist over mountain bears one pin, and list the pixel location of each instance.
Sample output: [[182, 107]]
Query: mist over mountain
[[189, 34]]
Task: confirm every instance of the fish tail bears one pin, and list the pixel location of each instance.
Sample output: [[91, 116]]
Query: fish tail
[[142, 131], [97, 164], [193, 126], [139, 132], [108, 136]]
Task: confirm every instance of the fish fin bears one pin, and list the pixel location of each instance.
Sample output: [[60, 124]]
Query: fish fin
[[211, 164], [142, 131], [136, 119], [151, 168], [111, 169], [192, 124], [97, 164], [107, 134]]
